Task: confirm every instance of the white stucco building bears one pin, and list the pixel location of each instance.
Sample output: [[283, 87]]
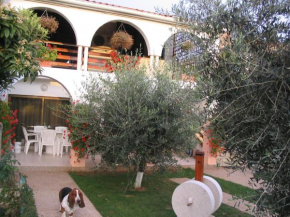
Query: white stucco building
[[83, 44]]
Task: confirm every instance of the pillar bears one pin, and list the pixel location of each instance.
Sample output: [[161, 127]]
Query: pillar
[[80, 56], [156, 61], [86, 57], [151, 62]]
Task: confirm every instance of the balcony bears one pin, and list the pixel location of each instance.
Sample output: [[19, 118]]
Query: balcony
[[68, 56]]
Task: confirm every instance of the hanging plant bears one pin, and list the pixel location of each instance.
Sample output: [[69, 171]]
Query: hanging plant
[[48, 22], [121, 39], [186, 45]]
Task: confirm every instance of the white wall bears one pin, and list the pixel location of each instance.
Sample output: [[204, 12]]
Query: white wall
[[85, 22], [54, 88]]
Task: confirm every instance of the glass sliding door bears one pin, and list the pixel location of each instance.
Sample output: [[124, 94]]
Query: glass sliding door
[[29, 113], [36, 111], [52, 117]]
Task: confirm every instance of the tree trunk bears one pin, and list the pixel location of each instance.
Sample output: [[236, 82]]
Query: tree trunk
[[140, 173]]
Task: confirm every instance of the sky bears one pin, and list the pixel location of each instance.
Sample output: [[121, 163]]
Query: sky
[[146, 5]]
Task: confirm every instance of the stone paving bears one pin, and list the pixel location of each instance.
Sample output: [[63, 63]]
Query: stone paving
[[46, 186]]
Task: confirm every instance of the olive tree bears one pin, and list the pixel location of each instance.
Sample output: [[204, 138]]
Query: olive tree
[[242, 69], [132, 120]]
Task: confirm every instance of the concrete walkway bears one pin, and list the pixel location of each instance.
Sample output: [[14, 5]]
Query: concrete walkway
[[46, 186]]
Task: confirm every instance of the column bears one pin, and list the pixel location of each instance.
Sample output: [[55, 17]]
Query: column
[[156, 61], [86, 57], [80, 56], [151, 62]]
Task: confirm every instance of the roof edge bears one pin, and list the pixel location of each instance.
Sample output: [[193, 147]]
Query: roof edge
[[111, 9]]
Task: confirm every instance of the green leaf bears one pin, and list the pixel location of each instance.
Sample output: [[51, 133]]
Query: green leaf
[[6, 32]]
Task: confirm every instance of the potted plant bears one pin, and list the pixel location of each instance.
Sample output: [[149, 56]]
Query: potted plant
[[186, 45], [48, 22], [121, 39]]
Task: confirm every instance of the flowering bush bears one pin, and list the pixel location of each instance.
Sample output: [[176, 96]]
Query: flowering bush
[[9, 120], [214, 143], [119, 62], [215, 148], [78, 128]]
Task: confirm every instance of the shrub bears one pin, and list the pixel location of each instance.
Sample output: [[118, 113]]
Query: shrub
[[121, 62], [9, 120]]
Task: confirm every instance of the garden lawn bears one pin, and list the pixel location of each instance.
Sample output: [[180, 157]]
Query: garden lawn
[[107, 193]]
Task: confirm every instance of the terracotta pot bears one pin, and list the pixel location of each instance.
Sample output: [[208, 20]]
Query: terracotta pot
[[74, 161]]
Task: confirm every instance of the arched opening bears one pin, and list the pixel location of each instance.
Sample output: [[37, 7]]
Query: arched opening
[[168, 50], [63, 41], [35, 103], [64, 33], [104, 33]]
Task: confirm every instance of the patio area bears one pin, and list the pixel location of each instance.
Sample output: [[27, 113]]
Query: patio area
[[32, 161]]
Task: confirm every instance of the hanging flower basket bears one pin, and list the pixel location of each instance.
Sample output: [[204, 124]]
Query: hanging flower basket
[[186, 45], [48, 22], [121, 39]]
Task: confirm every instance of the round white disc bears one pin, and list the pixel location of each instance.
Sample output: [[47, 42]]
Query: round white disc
[[193, 199], [215, 189]]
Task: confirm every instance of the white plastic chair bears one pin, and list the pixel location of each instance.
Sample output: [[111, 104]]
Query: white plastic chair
[[29, 141], [48, 139], [38, 128], [64, 141]]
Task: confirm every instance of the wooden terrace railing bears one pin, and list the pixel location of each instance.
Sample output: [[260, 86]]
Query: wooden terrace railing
[[95, 60], [98, 57], [67, 56]]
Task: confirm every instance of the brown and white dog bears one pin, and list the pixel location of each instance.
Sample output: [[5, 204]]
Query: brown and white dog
[[70, 200]]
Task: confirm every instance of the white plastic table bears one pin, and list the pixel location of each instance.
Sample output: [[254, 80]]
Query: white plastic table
[[49, 149]]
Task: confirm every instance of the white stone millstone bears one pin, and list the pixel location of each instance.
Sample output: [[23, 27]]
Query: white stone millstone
[[215, 189], [202, 200]]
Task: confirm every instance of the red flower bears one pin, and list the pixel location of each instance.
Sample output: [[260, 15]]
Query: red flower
[[83, 139], [82, 149], [76, 148]]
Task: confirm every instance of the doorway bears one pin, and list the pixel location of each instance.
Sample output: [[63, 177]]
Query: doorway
[[33, 110]]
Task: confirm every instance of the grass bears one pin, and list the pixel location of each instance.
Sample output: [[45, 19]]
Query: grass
[[107, 193]]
